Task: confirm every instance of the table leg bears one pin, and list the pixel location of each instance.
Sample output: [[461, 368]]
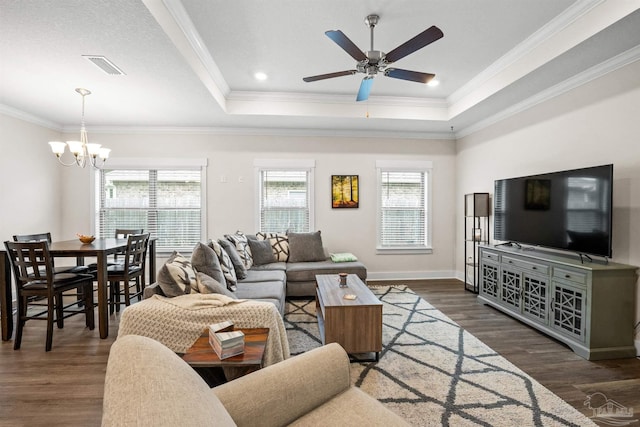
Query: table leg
[[6, 297], [103, 316]]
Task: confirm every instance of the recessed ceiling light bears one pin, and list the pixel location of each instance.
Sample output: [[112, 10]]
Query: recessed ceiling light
[[260, 76], [433, 83]]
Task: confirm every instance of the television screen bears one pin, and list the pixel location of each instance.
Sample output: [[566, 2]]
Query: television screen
[[569, 210]]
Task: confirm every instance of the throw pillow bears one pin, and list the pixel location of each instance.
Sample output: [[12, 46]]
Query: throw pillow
[[205, 260], [262, 252], [176, 276], [343, 257], [238, 265], [226, 265], [305, 247], [209, 285], [242, 246], [279, 243]]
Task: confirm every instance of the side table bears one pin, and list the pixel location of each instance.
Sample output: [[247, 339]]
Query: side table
[[206, 362]]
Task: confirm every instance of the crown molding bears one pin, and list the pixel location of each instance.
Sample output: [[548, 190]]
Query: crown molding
[[29, 118], [261, 131], [174, 20], [628, 57], [553, 27], [320, 98]]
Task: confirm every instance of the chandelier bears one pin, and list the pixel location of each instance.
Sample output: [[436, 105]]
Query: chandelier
[[81, 150]]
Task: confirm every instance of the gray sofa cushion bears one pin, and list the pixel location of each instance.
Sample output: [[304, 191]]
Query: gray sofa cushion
[[281, 266], [279, 243], [205, 260], [271, 291], [209, 285], [238, 265], [306, 271], [240, 240], [225, 263], [262, 252], [176, 276], [305, 247], [254, 275]]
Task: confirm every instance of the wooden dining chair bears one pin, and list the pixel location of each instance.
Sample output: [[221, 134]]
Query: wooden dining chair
[[36, 280], [128, 274], [123, 233], [46, 237]]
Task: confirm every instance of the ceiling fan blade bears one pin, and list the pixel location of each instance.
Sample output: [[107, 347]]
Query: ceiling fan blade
[[329, 76], [426, 37], [365, 88], [346, 44], [413, 76]]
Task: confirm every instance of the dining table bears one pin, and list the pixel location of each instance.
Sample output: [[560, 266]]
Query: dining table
[[100, 248]]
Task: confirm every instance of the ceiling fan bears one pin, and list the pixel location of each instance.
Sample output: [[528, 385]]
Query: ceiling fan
[[374, 61]]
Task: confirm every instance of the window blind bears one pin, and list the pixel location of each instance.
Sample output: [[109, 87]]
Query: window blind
[[403, 210], [165, 203], [284, 200]]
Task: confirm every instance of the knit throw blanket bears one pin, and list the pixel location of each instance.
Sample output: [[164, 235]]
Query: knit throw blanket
[[178, 322]]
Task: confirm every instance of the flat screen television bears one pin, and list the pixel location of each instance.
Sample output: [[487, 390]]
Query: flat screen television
[[568, 210]]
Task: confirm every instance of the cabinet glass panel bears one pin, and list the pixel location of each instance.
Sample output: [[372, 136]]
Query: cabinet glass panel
[[511, 285], [534, 297], [490, 280], [568, 310]]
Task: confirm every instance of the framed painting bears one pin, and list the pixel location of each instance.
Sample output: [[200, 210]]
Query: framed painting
[[344, 191]]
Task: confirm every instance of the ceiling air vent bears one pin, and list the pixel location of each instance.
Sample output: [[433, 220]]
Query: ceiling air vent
[[104, 64]]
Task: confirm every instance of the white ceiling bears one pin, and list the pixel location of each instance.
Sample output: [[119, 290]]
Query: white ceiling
[[189, 64]]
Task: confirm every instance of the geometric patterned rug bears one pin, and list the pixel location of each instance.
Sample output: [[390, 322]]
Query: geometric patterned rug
[[434, 373]]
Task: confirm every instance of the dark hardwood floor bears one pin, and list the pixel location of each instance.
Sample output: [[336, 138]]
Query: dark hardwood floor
[[64, 387], [550, 362]]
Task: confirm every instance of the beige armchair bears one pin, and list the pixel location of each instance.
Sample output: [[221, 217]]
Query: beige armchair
[[149, 385]]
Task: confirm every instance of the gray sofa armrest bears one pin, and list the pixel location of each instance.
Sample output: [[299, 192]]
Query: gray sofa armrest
[[284, 392]]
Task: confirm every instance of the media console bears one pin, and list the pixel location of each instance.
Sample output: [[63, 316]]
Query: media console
[[590, 307]]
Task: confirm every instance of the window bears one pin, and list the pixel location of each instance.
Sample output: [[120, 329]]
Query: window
[[403, 206], [285, 195], [166, 201]]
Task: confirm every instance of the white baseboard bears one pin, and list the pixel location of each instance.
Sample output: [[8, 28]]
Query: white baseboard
[[411, 275], [638, 348]]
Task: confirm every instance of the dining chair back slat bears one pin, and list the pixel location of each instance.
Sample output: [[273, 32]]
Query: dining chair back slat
[[131, 272]]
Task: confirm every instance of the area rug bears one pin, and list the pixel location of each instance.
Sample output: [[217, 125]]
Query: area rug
[[432, 372]]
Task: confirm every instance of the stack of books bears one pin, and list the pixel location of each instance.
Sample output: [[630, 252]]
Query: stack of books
[[224, 340]]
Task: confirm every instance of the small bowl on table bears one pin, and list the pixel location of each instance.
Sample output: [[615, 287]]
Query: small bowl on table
[[86, 239]]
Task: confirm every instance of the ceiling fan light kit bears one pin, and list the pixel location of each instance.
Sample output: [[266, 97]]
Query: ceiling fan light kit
[[374, 61]]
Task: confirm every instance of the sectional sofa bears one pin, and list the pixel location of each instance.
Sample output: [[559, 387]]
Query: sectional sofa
[[240, 278], [250, 274]]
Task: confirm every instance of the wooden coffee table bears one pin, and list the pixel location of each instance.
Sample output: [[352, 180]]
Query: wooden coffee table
[[354, 324], [203, 358]]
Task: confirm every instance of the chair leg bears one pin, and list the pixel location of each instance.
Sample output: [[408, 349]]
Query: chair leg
[[118, 297], [59, 310], [50, 314], [22, 311], [112, 296], [127, 295], [88, 306]]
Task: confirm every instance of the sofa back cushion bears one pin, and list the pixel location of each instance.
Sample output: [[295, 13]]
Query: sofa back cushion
[[149, 385], [305, 247], [205, 260], [262, 252], [176, 277], [238, 265], [240, 240], [279, 243], [209, 285], [225, 263]]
